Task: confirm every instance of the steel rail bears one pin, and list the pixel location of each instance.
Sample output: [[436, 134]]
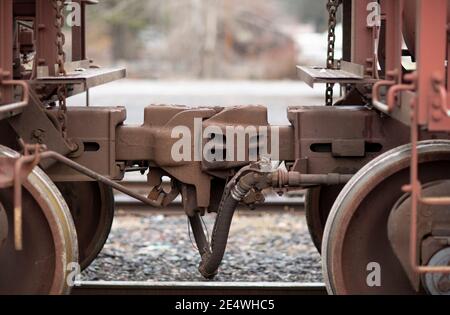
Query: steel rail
[[272, 204], [198, 288]]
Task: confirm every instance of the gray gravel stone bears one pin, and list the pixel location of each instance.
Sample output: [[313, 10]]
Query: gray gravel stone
[[262, 247]]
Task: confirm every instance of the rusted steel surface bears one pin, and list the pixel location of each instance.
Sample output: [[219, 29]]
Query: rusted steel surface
[[154, 141], [94, 130], [394, 38], [342, 150], [34, 125], [318, 203], [46, 51], [6, 57], [14, 171], [415, 188], [352, 242], [97, 177], [430, 109], [88, 150], [428, 229], [79, 34], [362, 37], [431, 32], [410, 24], [48, 231], [92, 207], [9, 110], [312, 75]]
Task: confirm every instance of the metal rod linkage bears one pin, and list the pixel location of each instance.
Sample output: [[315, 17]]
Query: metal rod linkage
[[102, 179]]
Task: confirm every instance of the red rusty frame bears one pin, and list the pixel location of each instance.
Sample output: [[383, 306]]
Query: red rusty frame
[[393, 10], [362, 35], [46, 52], [6, 52], [22, 168], [430, 107], [431, 57], [11, 109], [6, 63], [415, 188], [79, 35]]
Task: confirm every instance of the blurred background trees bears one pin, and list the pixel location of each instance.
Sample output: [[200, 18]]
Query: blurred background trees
[[228, 39], [307, 11]]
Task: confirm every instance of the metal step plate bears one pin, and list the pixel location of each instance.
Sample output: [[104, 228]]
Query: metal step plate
[[89, 78], [349, 73]]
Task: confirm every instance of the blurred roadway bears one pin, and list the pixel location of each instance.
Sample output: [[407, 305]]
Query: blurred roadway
[[137, 94]]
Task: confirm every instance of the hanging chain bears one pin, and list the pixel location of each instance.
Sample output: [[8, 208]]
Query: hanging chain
[[58, 6], [332, 7]]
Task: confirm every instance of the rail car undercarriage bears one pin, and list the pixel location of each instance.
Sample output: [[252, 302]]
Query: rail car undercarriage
[[374, 164]]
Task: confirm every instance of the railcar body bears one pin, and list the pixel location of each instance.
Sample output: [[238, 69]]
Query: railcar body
[[375, 163]]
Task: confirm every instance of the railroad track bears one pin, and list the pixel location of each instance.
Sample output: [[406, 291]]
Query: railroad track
[[198, 289], [290, 203], [131, 206]]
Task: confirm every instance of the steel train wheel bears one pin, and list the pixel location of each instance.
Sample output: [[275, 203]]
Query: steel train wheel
[[318, 204], [49, 237], [92, 207], [356, 233]]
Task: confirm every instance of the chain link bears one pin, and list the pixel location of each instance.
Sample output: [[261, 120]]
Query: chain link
[[58, 6], [332, 7], [62, 110]]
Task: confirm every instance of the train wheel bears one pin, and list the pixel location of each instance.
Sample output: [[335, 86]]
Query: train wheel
[[356, 234], [92, 208], [49, 239], [318, 203]]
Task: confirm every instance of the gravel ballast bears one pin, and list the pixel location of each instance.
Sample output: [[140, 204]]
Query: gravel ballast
[[263, 247]]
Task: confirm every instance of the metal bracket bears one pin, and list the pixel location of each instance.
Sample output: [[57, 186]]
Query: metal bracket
[[160, 196], [9, 110], [349, 73]]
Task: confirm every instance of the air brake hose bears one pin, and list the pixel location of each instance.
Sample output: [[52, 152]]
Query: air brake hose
[[212, 259], [245, 181]]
